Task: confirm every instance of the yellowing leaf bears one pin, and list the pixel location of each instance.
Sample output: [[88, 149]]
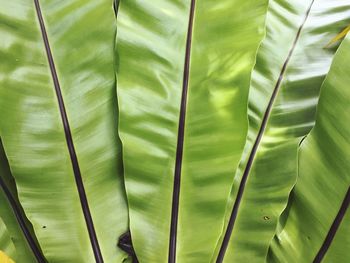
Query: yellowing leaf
[[4, 258], [339, 36]]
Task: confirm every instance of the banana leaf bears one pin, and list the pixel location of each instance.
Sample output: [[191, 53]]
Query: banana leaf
[[291, 65], [58, 125], [18, 228], [315, 225], [183, 76]]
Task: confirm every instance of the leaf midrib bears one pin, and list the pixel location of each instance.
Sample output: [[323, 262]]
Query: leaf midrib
[[21, 221], [334, 228], [180, 141], [69, 140], [234, 212]]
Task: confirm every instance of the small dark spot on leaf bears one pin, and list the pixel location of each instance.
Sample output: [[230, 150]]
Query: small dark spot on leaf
[[44, 226], [309, 238], [266, 218]]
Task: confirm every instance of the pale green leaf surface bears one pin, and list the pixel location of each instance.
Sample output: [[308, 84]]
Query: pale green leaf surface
[[274, 169], [81, 35], [323, 180], [151, 45], [8, 218]]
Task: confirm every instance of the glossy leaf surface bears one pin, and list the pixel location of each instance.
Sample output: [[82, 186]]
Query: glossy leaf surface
[[152, 47], [14, 242], [80, 34], [323, 178], [291, 65]]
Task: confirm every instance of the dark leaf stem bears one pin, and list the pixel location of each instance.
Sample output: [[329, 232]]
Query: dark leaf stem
[[180, 141], [333, 229], [11, 196], [69, 140], [125, 244], [254, 150], [19, 214]]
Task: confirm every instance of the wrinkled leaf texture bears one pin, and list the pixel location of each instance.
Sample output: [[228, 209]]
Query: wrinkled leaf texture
[[291, 66], [159, 49], [81, 37], [153, 48], [15, 244], [322, 192]]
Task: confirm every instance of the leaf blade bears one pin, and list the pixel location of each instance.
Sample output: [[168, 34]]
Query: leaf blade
[[273, 171], [323, 168], [151, 45], [14, 219], [81, 38]]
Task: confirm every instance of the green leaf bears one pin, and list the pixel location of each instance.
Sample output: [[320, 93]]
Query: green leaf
[[6, 244], [291, 65], [17, 226], [180, 148], [53, 143], [322, 192]]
